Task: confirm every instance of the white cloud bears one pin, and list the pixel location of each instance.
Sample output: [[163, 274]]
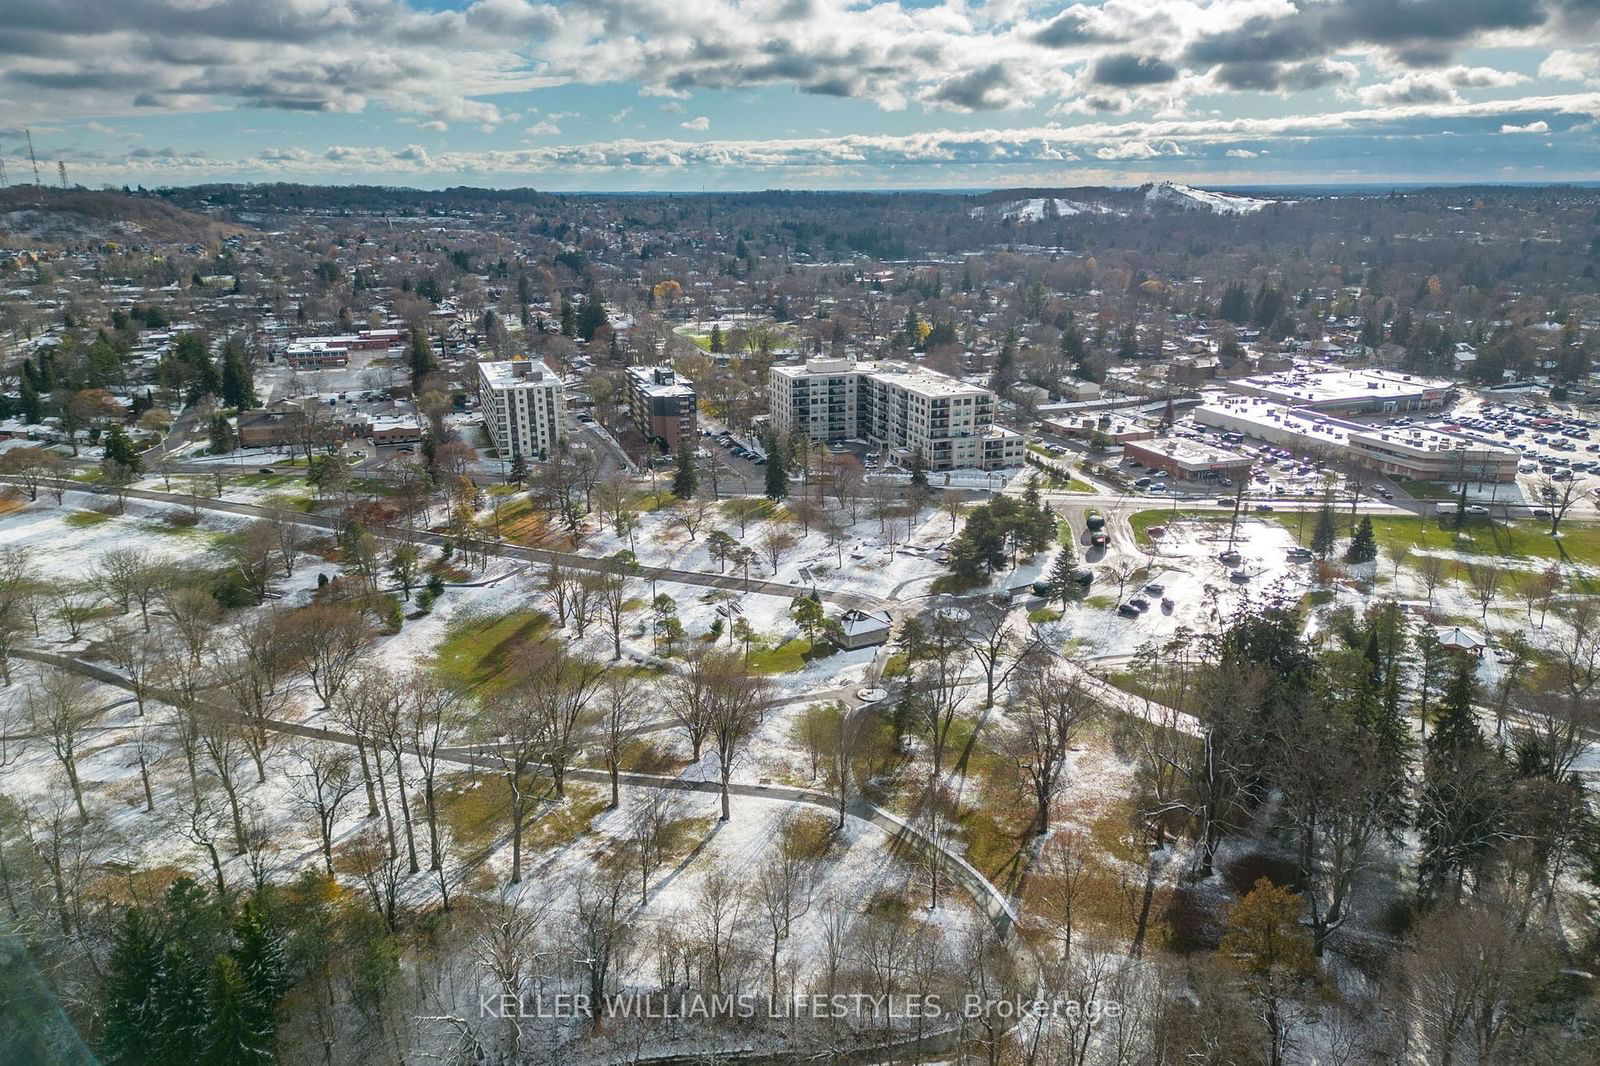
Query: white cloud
[[618, 116], [1155, 142], [543, 129], [699, 123], [1139, 150], [1435, 86], [1563, 65], [1533, 127], [435, 126], [1240, 153], [93, 58]]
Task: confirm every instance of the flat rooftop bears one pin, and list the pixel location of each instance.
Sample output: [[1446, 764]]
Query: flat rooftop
[[503, 373], [913, 378], [644, 380], [1306, 386], [1317, 428], [1190, 452]]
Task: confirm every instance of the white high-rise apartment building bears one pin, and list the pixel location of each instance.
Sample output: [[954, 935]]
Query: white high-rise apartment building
[[901, 408], [522, 403]]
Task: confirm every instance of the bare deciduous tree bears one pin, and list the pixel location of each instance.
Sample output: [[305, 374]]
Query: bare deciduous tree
[[60, 708], [326, 779], [1052, 709]]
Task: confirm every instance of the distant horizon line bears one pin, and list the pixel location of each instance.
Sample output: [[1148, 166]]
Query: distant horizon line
[[954, 190]]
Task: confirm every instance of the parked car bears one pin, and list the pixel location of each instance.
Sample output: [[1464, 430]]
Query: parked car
[[1140, 602], [1128, 610], [1263, 507], [1227, 501]]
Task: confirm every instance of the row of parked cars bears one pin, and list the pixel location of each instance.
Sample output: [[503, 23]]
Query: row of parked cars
[[1138, 605], [734, 447]]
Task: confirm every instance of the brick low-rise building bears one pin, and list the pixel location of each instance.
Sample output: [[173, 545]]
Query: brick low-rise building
[[663, 405]]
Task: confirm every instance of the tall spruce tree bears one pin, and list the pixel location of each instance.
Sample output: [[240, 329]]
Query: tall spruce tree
[[238, 383], [683, 475], [1326, 533], [1063, 585], [1364, 545], [133, 1033], [234, 1034], [777, 469], [919, 468], [421, 356], [120, 452]]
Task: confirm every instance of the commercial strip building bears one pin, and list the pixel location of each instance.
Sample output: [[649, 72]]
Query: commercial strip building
[[312, 353], [521, 401], [662, 403], [903, 409], [1188, 460], [1347, 392], [1408, 452]]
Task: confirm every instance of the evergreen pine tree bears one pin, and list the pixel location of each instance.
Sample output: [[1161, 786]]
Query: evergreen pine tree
[[591, 316], [238, 384], [261, 958], [919, 469], [1063, 585], [120, 452], [1364, 545], [221, 434], [1326, 533], [716, 337], [233, 1035], [683, 477], [777, 470], [1457, 729], [182, 1006], [29, 404], [569, 319], [133, 982], [421, 357], [519, 469]]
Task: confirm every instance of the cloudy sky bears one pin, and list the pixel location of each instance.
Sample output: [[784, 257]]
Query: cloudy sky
[[690, 94]]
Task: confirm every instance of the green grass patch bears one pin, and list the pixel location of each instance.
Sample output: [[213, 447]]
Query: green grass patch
[[1478, 535], [1141, 521], [479, 651], [754, 509], [292, 501], [266, 481], [896, 665], [564, 822], [86, 519], [789, 656], [1100, 601], [475, 808], [1428, 490], [1040, 615], [953, 584]]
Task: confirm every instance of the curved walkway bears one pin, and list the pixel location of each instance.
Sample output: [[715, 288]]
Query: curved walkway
[[727, 582], [994, 904]]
